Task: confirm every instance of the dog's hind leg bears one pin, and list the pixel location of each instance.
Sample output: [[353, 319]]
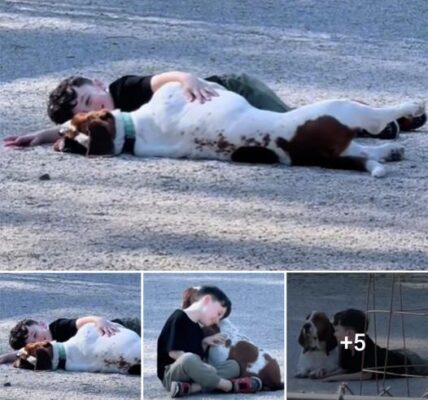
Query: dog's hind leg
[[384, 152], [372, 119]]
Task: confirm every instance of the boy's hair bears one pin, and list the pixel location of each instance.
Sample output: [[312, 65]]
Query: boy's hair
[[218, 295], [63, 98], [19, 333], [351, 318]]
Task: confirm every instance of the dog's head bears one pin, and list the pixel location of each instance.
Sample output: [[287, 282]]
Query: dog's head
[[317, 333], [90, 134], [35, 356]]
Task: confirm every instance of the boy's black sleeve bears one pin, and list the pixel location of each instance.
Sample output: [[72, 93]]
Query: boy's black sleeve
[[63, 329], [130, 92]]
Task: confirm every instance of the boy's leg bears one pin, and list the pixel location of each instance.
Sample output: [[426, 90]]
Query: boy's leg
[[253, 90], [134, 324], [229, 370], [190, 368]]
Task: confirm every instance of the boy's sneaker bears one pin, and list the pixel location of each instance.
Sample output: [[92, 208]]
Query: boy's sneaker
[[412, 123], [391, 131], [179, 389], [249, 384]]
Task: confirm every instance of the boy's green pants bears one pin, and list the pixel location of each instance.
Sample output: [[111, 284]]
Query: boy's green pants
[[190, 368], [134, 324], [253, 90]]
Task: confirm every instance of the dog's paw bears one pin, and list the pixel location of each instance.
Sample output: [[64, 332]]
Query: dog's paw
[[301, 375], [395, 153]]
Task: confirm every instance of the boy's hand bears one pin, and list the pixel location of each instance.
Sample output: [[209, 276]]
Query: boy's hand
[[197, 89], [106, 327], [214, 340], [30, 139]]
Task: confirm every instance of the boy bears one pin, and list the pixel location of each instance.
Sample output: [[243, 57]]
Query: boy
[[128, 93], [30, 331], [349, 323], [181, 348], [79, 94]]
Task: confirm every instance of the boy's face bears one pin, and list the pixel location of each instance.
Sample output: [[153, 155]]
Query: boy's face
[[38, 333], [212, 311], [341, 332], [92, 97]]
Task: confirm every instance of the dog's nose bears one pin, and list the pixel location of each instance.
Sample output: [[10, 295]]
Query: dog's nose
[[307, 327]]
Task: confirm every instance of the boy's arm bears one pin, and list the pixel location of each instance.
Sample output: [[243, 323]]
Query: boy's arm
[[8, 358], [104, 326], [43, 136], [354, 376], [194, 88]]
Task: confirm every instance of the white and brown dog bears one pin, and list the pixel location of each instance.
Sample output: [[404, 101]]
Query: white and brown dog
[[253, 360], [319, 356], [87, 351], [228, 128]]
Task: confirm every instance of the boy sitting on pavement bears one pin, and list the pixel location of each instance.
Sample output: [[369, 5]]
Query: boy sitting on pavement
[[31, 331], [181, 349], [353, 360], [128, 93]]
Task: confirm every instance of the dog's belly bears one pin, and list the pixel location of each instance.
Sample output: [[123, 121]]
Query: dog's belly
[[171, 126], [89, 351], [316, 360]]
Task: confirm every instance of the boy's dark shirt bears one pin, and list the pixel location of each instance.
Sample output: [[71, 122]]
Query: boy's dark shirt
[[179, 333], [130, 92], [352, 363], [63, 329]]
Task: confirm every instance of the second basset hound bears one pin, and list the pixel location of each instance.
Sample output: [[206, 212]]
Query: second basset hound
[[252, 359], [228, 128]]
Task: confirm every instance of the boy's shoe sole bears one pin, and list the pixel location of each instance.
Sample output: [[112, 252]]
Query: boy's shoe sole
[[391, 131], [410, 124], [250, 384], [179, 389]]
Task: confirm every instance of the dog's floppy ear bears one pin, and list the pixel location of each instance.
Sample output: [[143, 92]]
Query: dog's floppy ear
[[100, 138], [301, 341], [43, 359], [331, 341]]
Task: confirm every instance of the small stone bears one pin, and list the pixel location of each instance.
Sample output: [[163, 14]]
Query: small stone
[[44, 177], [7, 384]]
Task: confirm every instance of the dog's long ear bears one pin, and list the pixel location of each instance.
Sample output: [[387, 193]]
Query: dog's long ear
[[301, 341], [43, 358], [189, 297], [100, 138], [331, 341]]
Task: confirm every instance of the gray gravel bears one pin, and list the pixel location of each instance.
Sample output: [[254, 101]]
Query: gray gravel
[[336, 292], [162, 214], [48, 297], [257, 310]]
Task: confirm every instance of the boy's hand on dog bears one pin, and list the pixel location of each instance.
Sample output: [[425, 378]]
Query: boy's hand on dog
[[214, 340], [197, 89], [106, 327]]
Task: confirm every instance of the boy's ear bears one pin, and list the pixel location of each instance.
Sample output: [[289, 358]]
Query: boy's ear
[[100, 84]]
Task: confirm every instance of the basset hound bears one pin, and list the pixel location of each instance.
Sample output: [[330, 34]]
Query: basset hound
[[319, 356], [228, 128], [253, 360], [87, 351]]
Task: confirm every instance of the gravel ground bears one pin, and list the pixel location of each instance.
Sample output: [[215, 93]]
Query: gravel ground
[[336, 292], [257, 309], [51, 296], [165, 214]]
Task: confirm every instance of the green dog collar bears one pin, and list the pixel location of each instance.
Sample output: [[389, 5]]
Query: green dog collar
[[128, 125], [61, 355]]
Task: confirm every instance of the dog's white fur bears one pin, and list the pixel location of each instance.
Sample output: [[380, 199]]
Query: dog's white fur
[[170, 126]]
